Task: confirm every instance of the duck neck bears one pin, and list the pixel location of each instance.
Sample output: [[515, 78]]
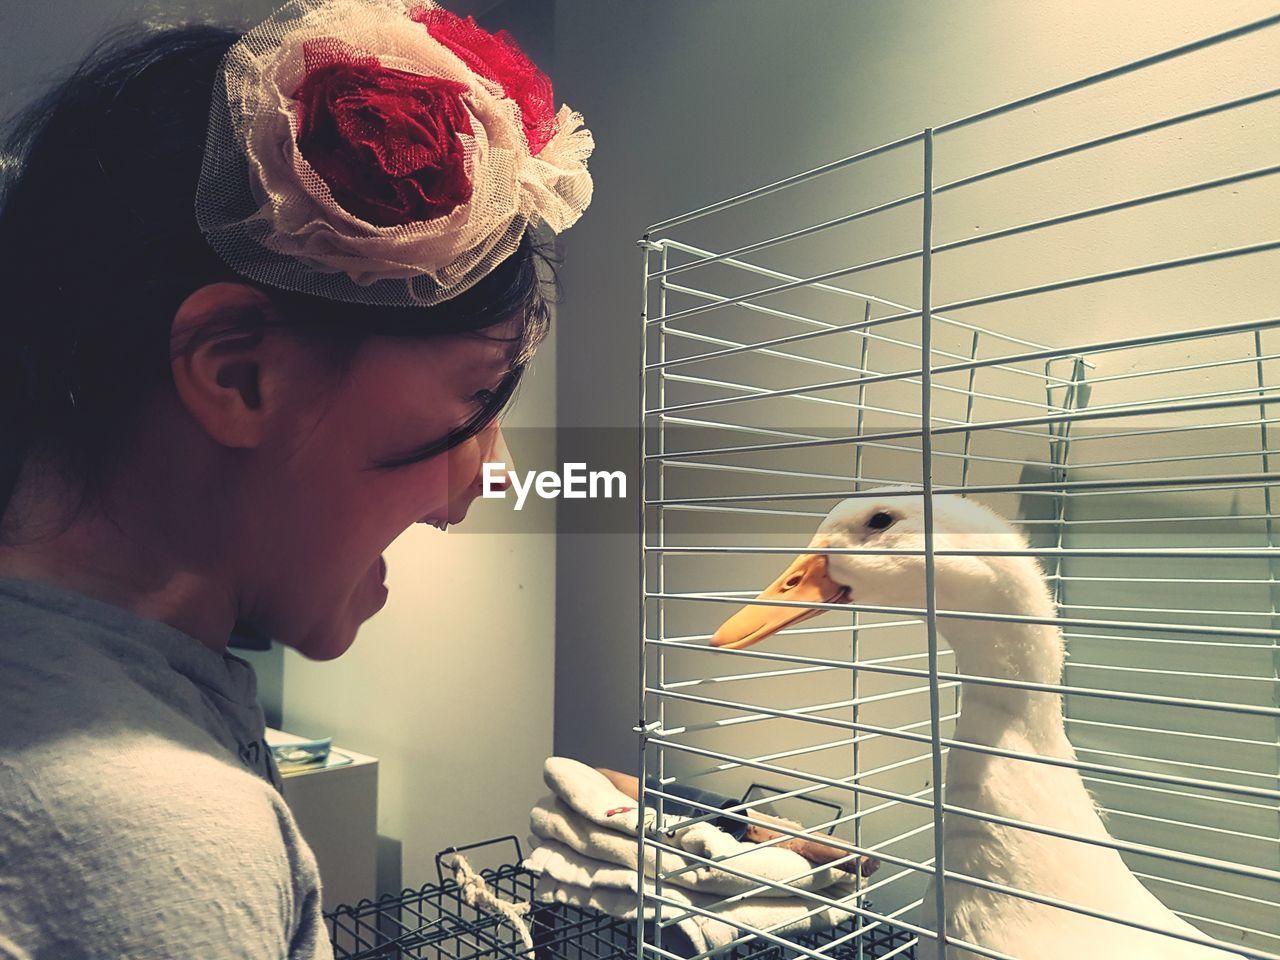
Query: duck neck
[[999, 715]]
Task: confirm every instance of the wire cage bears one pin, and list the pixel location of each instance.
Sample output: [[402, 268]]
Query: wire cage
[[435, 922], [1064, 308]]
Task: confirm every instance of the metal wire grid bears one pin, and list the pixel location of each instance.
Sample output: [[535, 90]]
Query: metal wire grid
[[434, 923], [1141, 467]]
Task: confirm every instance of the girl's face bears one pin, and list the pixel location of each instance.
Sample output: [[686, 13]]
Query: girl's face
[[329, 512]]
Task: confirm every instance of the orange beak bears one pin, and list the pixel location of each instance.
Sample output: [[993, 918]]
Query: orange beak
[[805, 581]]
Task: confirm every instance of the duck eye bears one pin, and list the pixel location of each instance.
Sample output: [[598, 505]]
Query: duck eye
[[881, 520]]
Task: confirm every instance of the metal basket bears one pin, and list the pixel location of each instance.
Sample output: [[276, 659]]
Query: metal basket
[[434, 922]]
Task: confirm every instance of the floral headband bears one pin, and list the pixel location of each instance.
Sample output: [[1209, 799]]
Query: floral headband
[[383, 152]]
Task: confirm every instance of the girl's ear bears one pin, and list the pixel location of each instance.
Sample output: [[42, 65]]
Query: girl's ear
[[228, 370]]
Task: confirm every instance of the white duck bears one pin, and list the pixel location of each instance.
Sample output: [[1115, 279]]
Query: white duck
[[1017, 720]]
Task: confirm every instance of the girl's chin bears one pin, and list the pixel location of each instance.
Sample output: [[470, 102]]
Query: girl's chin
[[327, 646], [368, 597]]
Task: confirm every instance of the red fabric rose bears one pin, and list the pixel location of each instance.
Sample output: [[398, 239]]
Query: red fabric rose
[[385, 141], [496, 57]]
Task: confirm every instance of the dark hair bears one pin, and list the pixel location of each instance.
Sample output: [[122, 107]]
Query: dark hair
[[99, 246]]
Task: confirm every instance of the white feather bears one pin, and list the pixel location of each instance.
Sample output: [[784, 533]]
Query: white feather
[[1080, 873]]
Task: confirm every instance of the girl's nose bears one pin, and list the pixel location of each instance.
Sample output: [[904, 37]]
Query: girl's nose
[[499, 453]]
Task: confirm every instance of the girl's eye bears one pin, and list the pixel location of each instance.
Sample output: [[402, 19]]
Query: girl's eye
[[485, 398]]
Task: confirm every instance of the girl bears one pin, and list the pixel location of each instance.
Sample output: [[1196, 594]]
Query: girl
[[268, 295]]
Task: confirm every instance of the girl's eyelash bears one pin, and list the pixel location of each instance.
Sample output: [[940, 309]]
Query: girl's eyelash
[[489, 400]]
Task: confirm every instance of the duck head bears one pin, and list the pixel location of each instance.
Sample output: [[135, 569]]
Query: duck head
[[893, 522]]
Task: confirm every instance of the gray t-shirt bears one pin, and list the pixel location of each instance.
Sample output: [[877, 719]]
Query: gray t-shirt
[[140, 812]]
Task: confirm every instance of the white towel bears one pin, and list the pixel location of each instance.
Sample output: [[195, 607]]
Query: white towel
[[552, 819], [586, 856], [590, 815], [568, 877]]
